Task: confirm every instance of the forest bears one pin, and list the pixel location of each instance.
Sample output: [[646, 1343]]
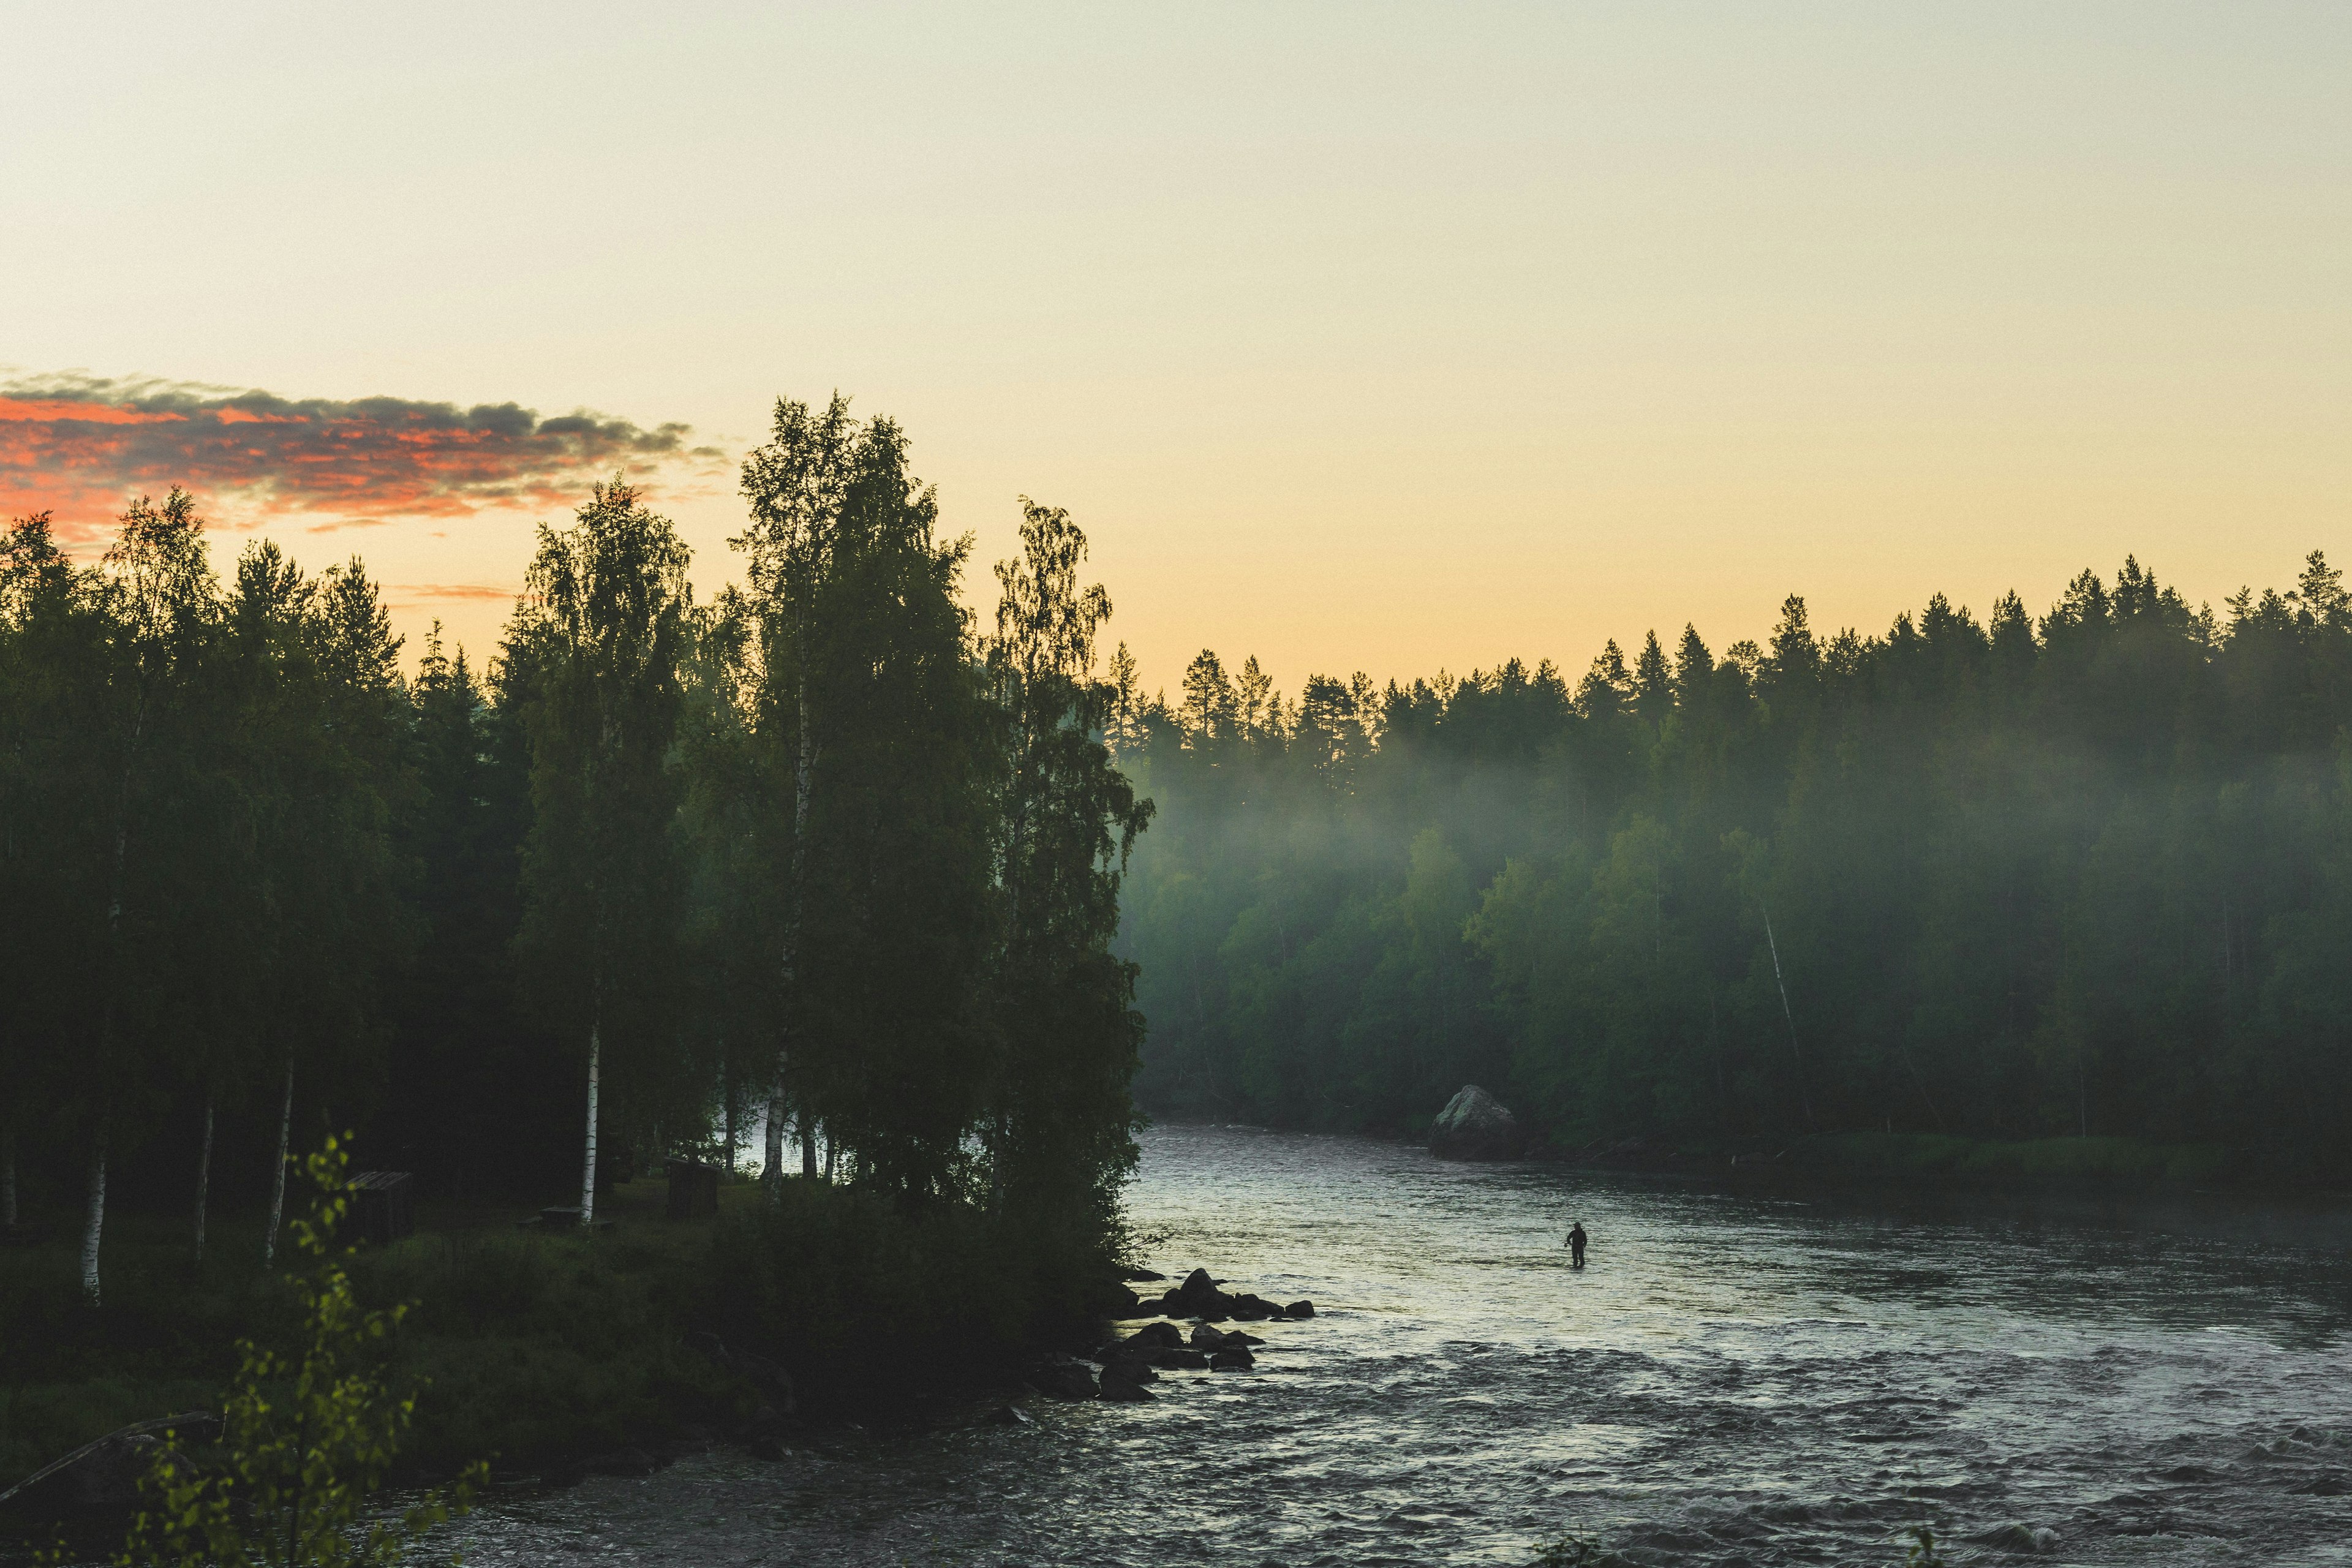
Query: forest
[[2081, 875], [821, 852]]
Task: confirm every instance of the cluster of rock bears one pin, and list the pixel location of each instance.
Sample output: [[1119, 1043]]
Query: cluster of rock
[[1128, 1363], [1199, 1297]]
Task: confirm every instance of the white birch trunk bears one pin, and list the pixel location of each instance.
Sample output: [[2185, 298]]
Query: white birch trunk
[[727, 1108], [94, 1219], [804, 1125], [94, 1223], [277, 1182], [772, 1176], [588, 1166], [203, 1177]]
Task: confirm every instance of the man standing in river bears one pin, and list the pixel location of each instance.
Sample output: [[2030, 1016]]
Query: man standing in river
[[1576, 1244]]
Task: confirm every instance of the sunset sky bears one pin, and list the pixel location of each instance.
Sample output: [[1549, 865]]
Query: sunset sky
[[1358, 336]]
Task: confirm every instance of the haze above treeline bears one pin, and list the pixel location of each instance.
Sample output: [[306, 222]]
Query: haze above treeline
[[2085, 872], [2078, 872]]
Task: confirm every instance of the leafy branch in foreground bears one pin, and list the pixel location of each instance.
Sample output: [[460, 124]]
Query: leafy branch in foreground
[[1577, 1552], [1923, 1553], [1568, 1551], [296, 1467]]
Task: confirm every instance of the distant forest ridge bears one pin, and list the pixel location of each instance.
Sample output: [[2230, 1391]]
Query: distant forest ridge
[[2083, 874]]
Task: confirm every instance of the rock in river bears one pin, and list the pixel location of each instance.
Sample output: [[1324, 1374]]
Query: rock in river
[[1120, 1385], [1064, 1380], [1474, 1126]]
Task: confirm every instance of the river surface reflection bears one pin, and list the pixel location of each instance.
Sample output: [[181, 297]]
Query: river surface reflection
[[1733, 1379]]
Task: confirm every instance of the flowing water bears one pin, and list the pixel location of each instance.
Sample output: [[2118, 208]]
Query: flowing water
[[1732, 1379]]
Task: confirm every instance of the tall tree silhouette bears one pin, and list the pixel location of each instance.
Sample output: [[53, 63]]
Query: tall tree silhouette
[[604, 624]]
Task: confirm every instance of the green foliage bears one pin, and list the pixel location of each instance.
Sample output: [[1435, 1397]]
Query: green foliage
[[604, 628], [1568, 1551], [1923, 1553], [307, 1434], [2009, 881], [1059, 1121], [869, 703], [819, 844]]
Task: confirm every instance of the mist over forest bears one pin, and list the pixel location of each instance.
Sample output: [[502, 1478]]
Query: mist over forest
[[2084, 873]]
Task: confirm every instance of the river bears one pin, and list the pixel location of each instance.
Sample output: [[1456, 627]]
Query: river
[[1732, 1379]]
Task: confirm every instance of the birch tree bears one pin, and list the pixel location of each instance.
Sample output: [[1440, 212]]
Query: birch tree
[[869, 691], [733, 903], [55, 640], [1061, 1133], [605, 619], [163, 599]]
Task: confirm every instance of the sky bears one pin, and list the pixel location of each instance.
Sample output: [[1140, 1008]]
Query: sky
[[1357, 336]]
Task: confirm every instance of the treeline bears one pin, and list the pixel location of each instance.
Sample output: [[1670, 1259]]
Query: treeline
[[2083, 874], [822, 850]]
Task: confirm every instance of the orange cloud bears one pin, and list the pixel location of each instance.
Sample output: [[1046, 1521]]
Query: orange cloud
[[419, 592], [79, 446]]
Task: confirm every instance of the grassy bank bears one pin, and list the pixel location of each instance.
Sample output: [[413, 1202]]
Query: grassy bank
[[1928, 1161], [537, 1349], [2062, 1165]]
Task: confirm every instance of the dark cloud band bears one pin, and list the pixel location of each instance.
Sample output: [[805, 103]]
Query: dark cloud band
[[79, 446]]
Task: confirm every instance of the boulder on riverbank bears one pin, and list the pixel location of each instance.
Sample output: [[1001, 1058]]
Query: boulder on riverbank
[[1475, 1125]]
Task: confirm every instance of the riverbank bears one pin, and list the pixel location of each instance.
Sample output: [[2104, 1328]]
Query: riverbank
[[2199, 1190], [2083, 1165], [1734, 1378], [554, 1354]]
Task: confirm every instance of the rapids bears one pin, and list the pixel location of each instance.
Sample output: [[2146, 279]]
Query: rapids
[[1734, 1378]]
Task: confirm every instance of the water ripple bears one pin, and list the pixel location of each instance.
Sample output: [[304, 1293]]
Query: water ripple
[[1734, 1380]]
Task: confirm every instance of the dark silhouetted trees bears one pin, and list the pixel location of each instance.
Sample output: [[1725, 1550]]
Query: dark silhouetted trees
[[817, 850]]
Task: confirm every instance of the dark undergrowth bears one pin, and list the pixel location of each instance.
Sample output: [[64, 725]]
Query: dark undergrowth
[[537, 1349], [857, 1298]]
